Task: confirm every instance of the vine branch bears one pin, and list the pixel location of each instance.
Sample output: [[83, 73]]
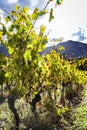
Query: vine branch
[[38, 16]]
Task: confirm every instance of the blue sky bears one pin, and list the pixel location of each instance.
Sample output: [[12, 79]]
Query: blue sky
[[70, 20]]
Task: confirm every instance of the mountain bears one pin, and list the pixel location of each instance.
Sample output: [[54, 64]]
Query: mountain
[[3, 50], [73, 49]]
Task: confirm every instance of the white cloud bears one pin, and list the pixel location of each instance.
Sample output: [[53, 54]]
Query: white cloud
[[1, 17], [68, 18], [11, 1]]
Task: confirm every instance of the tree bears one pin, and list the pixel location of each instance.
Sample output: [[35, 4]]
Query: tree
[[24, 46]]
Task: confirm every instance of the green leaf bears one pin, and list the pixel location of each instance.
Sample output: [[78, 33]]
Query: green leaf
[[21, 28], [41, 13], [27, 55], [61, 48], [44, 40], [4, 30], [35, 14], [11, 28], [8, 19], [1, 33], [17, 7], [59, 2], [25, 9], [42, 30], [10, 50], [51, 15], [13, 13]]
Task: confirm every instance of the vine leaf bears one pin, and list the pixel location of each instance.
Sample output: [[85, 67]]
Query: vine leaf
[[51, 15], [59, 2]]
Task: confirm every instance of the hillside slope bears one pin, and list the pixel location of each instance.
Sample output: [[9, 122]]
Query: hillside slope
[[73, 49]]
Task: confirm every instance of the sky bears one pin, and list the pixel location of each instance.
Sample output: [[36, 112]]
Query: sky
[[70, 18]]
